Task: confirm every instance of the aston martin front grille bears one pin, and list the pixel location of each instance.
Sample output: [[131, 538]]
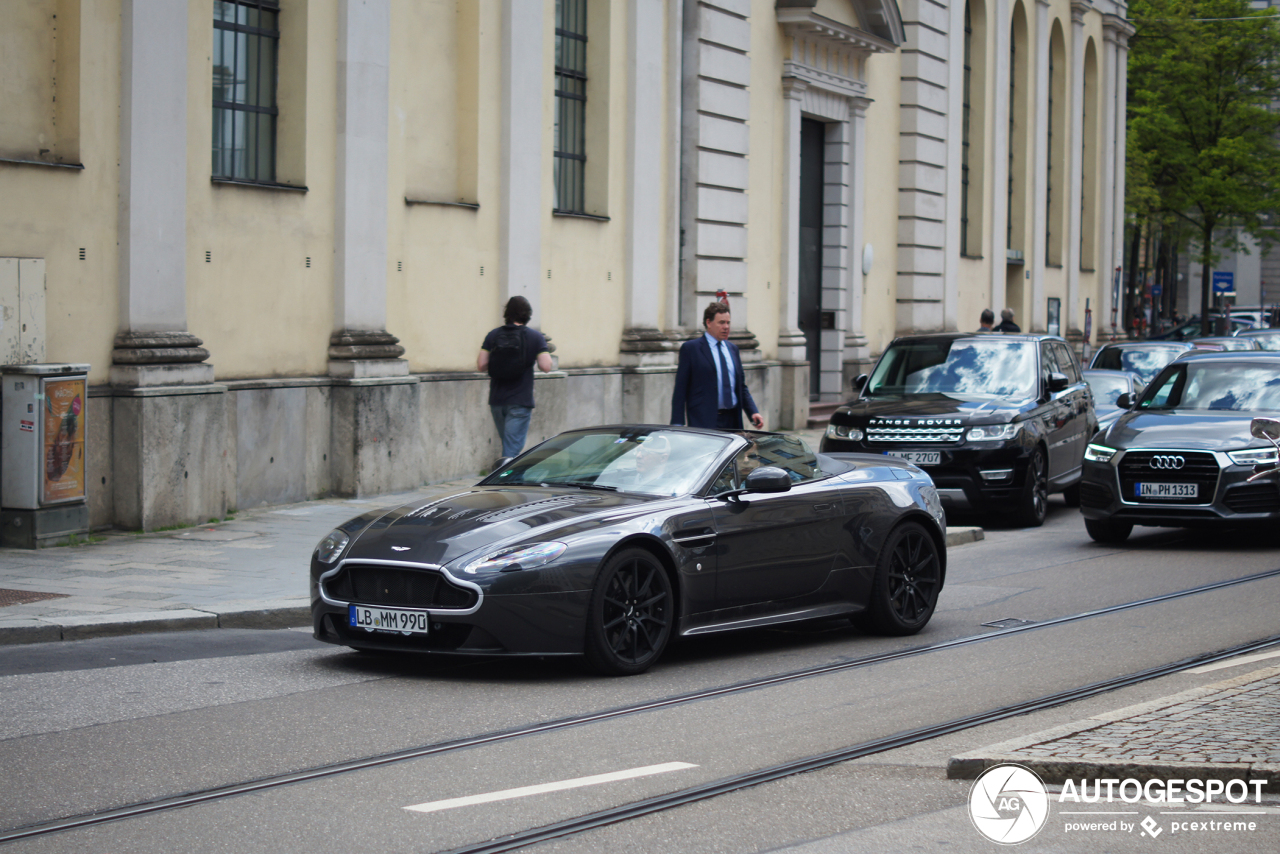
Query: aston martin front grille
[[399, 586], [1198, 467]]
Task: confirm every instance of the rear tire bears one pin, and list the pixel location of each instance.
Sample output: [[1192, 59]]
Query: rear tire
[[630, 617], [1108, 530], [906, 585]]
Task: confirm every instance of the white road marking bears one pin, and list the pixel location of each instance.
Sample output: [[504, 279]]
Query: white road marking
[[525, 791], [1234, 662]]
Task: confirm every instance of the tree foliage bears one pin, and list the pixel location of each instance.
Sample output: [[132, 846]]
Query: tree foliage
[[1204, 80]]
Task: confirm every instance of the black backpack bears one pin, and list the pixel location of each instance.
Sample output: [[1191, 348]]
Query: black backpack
[[507, 360]]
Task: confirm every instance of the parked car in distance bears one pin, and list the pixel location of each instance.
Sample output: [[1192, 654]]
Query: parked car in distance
[[1144, 358], [1225, 342], [609, 542], [1107, 386], [1192, 328], [998, 421], [1266, 339], [1183, 455]]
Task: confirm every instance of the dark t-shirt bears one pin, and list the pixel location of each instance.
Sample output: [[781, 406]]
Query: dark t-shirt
[[517, 392]]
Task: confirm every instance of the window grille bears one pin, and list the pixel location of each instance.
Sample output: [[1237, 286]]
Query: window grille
[[246, 40], [571, 104]]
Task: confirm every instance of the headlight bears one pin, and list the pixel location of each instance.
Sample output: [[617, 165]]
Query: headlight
[[844, 431], [331, 546], [994, 432], [516, 557], [1254, 457], [1099, 453]]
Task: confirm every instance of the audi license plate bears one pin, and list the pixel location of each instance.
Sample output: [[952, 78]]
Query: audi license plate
[[919, 458], [371, 618], [1167, 490]]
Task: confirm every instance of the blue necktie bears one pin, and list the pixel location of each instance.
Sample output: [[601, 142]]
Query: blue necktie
[[726, 386]]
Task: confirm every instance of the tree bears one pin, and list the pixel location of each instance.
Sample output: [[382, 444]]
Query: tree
[[1203, 78]]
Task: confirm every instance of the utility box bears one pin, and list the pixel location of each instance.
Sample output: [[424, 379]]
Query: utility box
[[42, 454]]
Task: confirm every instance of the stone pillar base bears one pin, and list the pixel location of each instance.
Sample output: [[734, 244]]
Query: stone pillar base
[[376, 441], [794, 398], [359, 369], [169, 455]]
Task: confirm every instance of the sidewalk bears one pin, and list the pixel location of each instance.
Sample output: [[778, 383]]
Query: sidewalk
[[1229, 730]]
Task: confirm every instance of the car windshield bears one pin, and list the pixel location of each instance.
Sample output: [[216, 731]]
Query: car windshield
[[1268, 339], [1216, 386], [646, 460], [1107, 388], [986, 367], [1146, 362]]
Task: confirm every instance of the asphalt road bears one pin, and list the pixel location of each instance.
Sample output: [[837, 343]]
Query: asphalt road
[[95, 725]]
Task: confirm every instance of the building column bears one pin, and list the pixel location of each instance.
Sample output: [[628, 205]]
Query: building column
[[791, 340], [1112, 248], [1037, 316], [360, 346], [998, 243], [1119, 31], [167, 415], [1074, 312], [857, 353], [521, 212]]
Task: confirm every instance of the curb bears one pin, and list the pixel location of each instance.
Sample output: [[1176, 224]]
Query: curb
[[262, 616], [960, 536]]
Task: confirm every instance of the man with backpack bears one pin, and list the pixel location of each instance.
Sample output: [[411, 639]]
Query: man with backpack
[[508, 355]]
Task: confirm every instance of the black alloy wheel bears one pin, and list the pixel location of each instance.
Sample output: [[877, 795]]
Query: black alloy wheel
[[629, 623], [1034, 505], [1108, 530], [905, 589]]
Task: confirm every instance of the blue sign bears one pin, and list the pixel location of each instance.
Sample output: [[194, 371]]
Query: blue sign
[[1223, 282], [1156, 289]]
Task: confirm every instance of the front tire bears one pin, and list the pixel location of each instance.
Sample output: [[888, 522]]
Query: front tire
[[1108, 530], [1034, 505], [906, 585], [629, 622]]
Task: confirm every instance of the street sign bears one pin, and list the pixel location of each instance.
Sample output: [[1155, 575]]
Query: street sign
[[1223, 282]]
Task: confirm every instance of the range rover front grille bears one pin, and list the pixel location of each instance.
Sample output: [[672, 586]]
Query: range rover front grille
[[877, 433], [398, 586], [1198, 467]]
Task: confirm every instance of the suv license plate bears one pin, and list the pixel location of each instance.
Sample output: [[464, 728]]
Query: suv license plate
[[919, 458], [1167, 490], [374, 619]]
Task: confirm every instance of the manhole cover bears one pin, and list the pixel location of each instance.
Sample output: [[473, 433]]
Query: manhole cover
[[1010, 623], [22, 597]]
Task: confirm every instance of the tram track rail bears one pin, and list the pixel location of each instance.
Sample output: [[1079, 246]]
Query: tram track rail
[[657, 804]]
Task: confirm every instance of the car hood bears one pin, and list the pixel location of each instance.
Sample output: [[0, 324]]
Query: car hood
[[922, 407], [1183, 429], [444, 529]]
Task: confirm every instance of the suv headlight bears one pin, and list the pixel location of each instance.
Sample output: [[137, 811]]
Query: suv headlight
[[516, 557], [331, 546], [994, 432], [844, 431], [1099, 453], [1254, 457]]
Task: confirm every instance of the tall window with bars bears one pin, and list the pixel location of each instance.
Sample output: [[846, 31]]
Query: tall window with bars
[[571, 105], [966, 118], [246, 41], [1049, 173]]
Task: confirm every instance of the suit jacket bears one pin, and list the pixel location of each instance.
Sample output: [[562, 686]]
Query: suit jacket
[[696, 388]]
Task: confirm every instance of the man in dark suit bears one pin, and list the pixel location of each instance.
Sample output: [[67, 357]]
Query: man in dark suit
[[710, 383]]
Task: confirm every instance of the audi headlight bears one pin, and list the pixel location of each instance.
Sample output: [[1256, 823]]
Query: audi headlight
[[515, 557], [844, 431], [1099, 453], [1254, 457], [331, 546], [994, 432]]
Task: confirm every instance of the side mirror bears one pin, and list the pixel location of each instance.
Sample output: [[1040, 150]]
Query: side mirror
[[1057, 381], [858, 382], [1265, 428], [1125, 401], [768, 479]]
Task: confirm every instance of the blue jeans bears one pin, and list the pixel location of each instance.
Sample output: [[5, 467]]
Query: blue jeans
[[513, 426]]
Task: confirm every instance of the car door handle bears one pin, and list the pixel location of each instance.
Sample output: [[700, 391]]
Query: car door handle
[[822, 508]]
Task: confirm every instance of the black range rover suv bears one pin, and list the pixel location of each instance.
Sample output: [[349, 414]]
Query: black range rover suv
[[998, 421]]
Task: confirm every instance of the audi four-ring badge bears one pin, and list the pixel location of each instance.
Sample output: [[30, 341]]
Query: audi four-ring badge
[[1181, 454], [609, 542]]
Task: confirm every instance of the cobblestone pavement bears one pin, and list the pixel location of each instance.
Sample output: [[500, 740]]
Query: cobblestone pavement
[[1228, 730]]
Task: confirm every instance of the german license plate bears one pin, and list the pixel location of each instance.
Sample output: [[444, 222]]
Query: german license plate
[[372, 618], [919, 458], [1168, 490]]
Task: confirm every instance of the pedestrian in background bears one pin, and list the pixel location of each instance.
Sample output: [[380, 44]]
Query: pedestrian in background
[[985, 320], [1006, 322], [711, 386], [508, 355]]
